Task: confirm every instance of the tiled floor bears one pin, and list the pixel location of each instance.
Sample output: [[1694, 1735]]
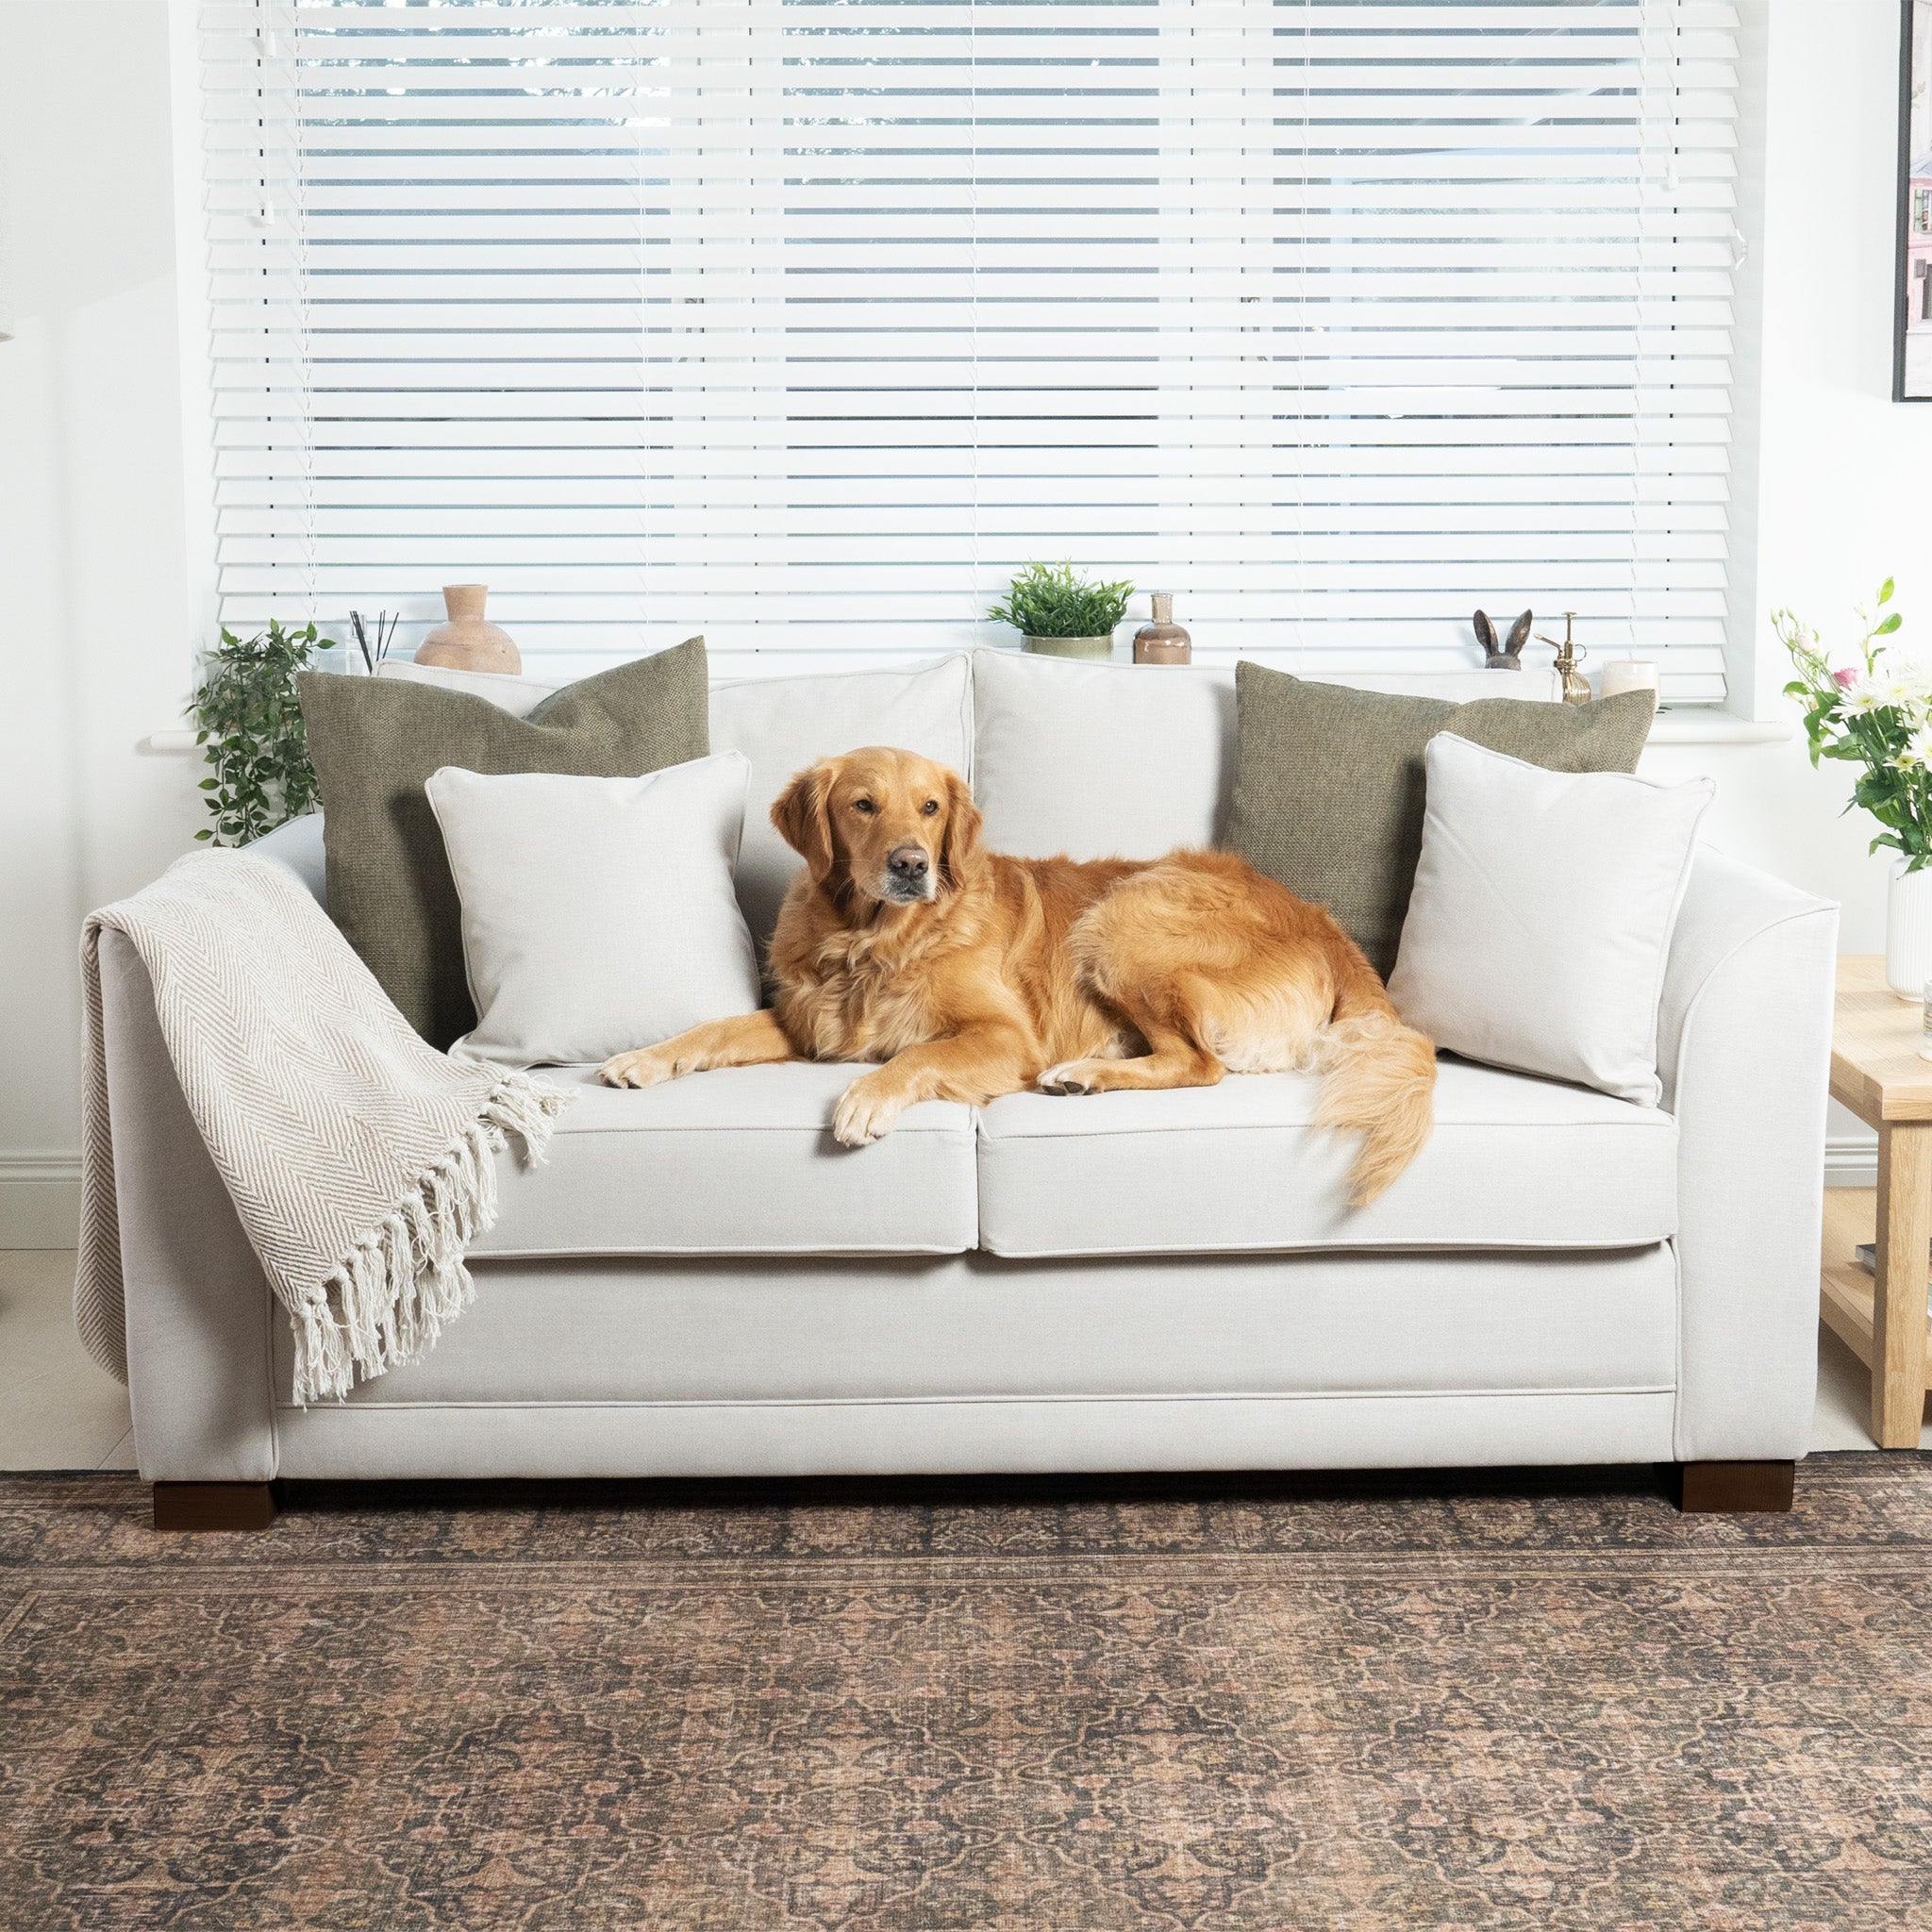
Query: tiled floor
[[1843, 1415], [58, 1410]]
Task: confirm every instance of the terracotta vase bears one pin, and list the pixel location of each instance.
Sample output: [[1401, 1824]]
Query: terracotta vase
[[469, 642], [1163, 642]]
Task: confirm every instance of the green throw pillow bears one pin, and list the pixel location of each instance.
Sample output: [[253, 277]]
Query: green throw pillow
[[375, 741], [1328, 789]]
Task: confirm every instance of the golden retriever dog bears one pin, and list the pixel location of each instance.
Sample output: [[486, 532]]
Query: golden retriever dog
[[967, 974]]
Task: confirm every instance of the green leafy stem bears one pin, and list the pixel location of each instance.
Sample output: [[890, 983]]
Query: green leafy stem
[[248, 719]]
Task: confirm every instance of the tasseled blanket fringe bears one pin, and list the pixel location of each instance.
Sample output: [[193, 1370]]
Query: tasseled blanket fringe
[[386, 1302]]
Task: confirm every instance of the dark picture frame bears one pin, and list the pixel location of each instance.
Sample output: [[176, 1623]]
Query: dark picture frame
[[1911, 351]]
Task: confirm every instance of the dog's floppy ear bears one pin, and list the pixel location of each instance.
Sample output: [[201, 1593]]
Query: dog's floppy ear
[[964, 828], [803, 814]]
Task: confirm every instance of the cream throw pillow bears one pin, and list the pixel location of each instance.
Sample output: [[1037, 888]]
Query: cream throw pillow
[[598, 913], [1540, 922]]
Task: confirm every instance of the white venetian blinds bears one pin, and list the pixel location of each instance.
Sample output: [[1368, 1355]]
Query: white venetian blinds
[[802, 323]]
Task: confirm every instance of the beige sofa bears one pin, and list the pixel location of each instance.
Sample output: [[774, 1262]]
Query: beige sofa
[[702, 1282]]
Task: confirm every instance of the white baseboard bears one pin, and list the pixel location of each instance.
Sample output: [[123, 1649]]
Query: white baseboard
[[40, 1200], [1851, 1161]]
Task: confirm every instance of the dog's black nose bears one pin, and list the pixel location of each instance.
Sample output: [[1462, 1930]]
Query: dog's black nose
[[908, 862]]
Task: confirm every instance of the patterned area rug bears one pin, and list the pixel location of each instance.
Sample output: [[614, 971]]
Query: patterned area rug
[[1515, 1701]]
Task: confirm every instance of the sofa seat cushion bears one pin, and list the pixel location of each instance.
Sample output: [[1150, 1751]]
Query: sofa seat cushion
[[740, 1161], [1514, 1162]]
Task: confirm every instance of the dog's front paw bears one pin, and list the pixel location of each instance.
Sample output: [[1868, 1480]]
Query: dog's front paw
[[1070, 1077], [865, 1112], [646, 1067]]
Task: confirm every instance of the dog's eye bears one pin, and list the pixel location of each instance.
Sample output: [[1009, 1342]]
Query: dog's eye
[[864, 805], [931, 806]]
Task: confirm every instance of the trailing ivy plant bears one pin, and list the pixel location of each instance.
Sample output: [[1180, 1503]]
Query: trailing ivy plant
[[248, 718], [1049, 600]]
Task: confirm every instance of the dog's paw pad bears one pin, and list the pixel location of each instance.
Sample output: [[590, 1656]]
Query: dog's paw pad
[[633, 1070], [861, 1118], [1065, 1078]]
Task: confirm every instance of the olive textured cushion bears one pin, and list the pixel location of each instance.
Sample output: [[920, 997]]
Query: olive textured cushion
[[1330, 783], [375, 741]]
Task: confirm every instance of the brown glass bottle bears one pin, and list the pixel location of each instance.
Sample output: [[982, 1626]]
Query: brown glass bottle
[[1163, 642]]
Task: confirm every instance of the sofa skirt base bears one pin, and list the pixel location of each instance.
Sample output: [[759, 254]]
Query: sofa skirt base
[[951, 1437]]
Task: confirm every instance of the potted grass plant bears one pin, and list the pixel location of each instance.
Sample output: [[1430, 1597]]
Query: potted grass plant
[[1062, 613]]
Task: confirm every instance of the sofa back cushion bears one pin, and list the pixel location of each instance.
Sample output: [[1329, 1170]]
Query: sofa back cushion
[[519, 696], [782, 725], [1099, 760]]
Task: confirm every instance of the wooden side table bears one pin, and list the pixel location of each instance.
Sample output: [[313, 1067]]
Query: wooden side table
[[1876, 1071]]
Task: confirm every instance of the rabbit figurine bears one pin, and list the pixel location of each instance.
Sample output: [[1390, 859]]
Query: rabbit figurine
[[1510, 657]]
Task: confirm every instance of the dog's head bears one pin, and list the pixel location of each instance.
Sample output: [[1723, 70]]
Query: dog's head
[[887, 825]]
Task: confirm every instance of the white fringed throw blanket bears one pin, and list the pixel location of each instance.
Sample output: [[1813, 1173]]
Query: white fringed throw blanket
[[359, 1160]]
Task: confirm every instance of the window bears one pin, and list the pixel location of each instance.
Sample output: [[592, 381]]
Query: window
[[803, 323]]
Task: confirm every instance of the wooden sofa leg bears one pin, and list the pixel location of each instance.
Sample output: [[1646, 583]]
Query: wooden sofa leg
[[1730, 1489], [214, 1505]]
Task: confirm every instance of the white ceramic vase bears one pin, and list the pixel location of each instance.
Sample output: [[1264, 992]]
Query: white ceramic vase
[[1909, 931]]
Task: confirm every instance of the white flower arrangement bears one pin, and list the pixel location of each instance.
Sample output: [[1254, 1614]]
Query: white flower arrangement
[[1876, 711]]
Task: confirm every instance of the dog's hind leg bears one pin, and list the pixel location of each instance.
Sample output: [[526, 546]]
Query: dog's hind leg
[[1177, 1054]]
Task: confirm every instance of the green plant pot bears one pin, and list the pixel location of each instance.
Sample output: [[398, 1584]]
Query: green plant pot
[[1072, 647]]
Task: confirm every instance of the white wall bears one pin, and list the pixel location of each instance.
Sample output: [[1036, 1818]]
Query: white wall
[[93, 592], [97, 608]]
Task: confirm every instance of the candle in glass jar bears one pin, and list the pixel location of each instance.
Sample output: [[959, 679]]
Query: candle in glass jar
[[1628, 673]]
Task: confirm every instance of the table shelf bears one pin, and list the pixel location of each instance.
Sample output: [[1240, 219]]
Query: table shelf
[[1845, 1291]]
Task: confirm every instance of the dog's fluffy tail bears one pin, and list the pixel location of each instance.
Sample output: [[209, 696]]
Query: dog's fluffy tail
[[1380, 1078]]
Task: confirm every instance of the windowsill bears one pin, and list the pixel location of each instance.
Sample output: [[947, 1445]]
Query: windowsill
[[1692, 725]]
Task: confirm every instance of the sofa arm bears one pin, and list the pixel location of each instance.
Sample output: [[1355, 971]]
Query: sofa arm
[[1744, 1052], [199, 1313], [297, 844]]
